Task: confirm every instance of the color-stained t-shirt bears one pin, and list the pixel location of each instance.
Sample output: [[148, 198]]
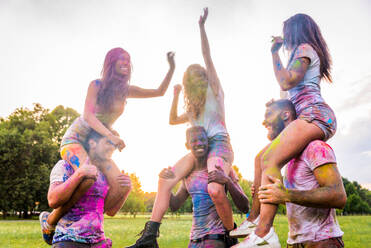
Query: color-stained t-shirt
[[307, 223], [212, 118], [205, 218], [308, 91], [84, 221]]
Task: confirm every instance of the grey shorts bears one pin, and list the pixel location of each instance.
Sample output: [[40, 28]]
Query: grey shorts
[[322, 116], [77, 132]]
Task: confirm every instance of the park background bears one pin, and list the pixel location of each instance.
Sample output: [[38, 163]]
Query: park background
[[51, 50]]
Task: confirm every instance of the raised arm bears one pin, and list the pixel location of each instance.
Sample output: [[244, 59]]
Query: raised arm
[[60, 193], [238, 196], [92, 120], [174, 119], [329, 194], [210, 69], [287, 79], [138, 92]]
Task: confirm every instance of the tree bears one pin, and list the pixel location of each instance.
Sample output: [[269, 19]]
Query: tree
[[135, 201], [29, 142]]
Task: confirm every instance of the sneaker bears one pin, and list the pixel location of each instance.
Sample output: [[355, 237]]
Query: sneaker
[[46, 229], [268, 241], [244, 229]]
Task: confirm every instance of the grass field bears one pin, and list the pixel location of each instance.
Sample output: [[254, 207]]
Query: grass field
[[174, 231]]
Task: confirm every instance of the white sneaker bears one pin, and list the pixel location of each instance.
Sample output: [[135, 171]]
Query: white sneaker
[[244, 229], [268, 241]]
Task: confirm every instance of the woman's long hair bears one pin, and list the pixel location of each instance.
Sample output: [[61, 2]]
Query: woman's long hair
[[114, 86], [300, 29], [195, 85]]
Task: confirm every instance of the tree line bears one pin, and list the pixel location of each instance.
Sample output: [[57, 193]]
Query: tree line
[[29, 148]]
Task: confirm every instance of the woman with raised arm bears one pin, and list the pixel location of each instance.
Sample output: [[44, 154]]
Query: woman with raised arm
[[105, 102], [309, 62], [204, 103]]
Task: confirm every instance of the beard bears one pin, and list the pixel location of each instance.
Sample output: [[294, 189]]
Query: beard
[[277, 128]]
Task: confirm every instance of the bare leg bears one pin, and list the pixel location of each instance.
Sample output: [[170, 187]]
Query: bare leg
[[255, 208], [218, 195], [181, 169], [75, 155], [290, 143]]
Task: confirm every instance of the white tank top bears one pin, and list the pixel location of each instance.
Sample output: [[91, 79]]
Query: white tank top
[[212, 117]]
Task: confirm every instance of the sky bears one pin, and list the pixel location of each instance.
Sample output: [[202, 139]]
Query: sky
[[51, 50]]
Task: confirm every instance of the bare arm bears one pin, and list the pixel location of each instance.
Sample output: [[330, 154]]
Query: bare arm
[[60, 193], [174, 119], [238, 196], [330, 194], [92, 120], [210, 69], [137, 92], [113, 205], [287, 79], [177, 200]]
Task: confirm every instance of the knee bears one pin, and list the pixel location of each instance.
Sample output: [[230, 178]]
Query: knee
[[216, 192]]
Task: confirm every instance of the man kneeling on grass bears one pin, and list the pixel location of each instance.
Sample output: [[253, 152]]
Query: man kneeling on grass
[[207, 228], [82, 225]]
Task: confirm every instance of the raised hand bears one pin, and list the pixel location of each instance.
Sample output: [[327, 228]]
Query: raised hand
[[177, 89], [203, 17], [170, 59], [167, 173], [277, 42]]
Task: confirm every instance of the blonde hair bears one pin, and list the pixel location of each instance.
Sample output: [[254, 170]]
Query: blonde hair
[[195, 85]]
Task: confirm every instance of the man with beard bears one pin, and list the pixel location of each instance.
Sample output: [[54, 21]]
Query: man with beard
[[82, 225], [207, 228], [312, 189]]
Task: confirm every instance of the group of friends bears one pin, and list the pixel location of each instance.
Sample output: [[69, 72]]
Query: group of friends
[[87, 183]]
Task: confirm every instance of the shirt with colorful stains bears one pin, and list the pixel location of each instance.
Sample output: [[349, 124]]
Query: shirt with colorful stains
[[212, 117], [308, 91], [307, 223], [84, 221], [205, 218]]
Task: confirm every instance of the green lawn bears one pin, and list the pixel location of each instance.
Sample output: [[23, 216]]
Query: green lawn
[[174, 231]]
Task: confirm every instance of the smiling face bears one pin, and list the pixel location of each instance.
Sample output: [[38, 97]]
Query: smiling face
[[122, 65], [273, 122], [197, 142]]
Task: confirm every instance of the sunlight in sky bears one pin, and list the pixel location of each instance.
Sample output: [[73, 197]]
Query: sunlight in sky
[[51, 50]]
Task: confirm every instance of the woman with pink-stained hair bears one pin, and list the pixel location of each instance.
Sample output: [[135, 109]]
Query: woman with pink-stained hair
[[105, 102]]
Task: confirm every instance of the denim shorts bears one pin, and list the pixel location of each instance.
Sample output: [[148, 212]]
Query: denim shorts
[[220, 146], [322, 116], [77, 132], [209, 243]]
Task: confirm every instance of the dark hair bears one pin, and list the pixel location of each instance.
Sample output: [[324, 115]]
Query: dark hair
[[300, 29], [283, 104], [113, 86], [91, 135], [194, 129]]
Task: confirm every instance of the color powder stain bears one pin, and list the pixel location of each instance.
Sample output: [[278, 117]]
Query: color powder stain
[[296, 64], [329, 121], [75, 160]]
